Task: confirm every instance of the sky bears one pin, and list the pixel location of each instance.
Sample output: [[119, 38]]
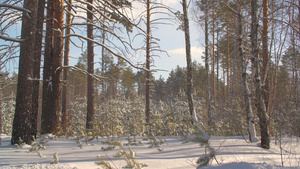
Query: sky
[[171, 40]]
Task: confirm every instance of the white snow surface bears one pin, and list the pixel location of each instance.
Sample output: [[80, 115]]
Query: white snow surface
[[231, 153]]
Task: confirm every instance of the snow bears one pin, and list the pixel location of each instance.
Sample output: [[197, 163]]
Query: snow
[[231, 153]]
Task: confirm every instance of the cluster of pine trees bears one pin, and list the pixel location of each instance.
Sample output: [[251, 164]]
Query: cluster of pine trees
[[250, 76]]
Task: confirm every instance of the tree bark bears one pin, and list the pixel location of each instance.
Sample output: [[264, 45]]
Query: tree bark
[[57, 61], [218, 55], [147, 94], [90, 80], [227, 63], [208, 86], [213, 56], [52, 68], [47, 108], [64, 120], [37, 65], [189, 90], [23, 112], [261, 108], [265, 55], [103, 64], [246, 92]]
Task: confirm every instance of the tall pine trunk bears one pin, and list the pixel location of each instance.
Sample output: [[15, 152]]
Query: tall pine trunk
[[260, 105], [147, 95], [65, 71], [189, 91], [103, 64], [228, 63], [208, 86], [213, 86], [47, 77], [57, 60], [90, 80], [23, 112], [37, 65], [51, 105], [265, 55]]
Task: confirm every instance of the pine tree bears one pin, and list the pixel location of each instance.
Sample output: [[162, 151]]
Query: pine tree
[[23, 112]]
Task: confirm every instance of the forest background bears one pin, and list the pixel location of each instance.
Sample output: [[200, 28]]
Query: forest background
[[229, 96]]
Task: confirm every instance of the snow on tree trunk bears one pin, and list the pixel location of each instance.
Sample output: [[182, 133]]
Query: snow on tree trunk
[[189, 62], [260, 105], [246, 92], [37, 65]]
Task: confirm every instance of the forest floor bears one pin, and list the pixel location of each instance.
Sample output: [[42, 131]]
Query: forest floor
[[231, 152]]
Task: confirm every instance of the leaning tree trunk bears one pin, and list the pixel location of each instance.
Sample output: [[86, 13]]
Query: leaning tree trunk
[[246, 92], [90, 80], [23, 112], [261, 108], [189, 91]]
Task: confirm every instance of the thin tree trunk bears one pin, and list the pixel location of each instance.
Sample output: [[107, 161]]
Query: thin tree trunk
[[147, 108], [261, 108], [213, 56], [37, 65], [64, 120], [103, 69], [0, 114], [189, 91], [233, 68], [227, 62], [218, 55], [265, 55], [90, 80], [208, 87], [246, 92], [23, 112]]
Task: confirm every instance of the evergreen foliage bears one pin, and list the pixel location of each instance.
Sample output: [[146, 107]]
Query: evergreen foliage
[[7, 114]]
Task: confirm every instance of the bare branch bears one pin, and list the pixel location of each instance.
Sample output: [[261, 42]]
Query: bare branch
[[96, 77], [14, 7], [109, 50], [6, 38]]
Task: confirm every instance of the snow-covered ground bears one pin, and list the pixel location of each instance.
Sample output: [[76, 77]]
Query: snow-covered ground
[[232, 152]]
